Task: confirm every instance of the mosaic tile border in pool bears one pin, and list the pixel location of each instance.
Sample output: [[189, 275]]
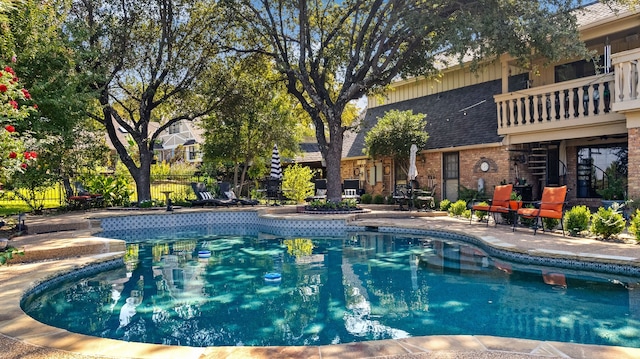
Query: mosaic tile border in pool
[[85, 271], [141, 227], [251, 223], [524, 258]]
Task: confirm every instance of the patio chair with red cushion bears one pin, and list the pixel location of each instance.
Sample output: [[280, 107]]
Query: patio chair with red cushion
[[550, 206], [499, 203]]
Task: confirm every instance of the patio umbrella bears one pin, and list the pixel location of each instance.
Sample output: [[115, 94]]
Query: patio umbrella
[[413, 170], [276, 169]]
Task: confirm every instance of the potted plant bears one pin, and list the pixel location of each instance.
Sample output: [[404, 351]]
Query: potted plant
[[515, 201]]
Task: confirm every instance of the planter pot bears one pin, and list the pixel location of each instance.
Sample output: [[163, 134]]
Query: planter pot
[[3, 243], [515, 205]]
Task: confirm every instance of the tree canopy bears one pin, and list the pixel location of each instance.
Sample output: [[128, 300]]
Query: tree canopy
[[148, 61], [394, 134], [247, 123], [333, 52]]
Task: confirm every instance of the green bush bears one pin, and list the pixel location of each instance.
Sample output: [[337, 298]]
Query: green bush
[[480, 214], [445, 204], [608, 222], [577, 219], [528, 222], [366, 198], [457, 208], [296, 181], [550, 223], [378, 199], [468, 194], [634, 227]]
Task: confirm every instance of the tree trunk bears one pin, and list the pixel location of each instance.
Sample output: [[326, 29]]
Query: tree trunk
[[333, 157], [143, 176]]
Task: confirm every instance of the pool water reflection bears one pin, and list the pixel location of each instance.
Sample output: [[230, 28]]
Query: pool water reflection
[[366, 286]]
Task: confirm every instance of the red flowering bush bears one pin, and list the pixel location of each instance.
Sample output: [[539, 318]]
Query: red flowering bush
[[15, 107]]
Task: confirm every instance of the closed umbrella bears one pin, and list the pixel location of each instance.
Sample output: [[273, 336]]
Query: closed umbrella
[[413, 170], [276, 168]]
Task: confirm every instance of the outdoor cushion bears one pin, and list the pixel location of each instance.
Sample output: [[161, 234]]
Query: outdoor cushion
[[206, 195]]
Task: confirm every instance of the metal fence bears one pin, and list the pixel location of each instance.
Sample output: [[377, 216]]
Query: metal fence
[[55, 196]]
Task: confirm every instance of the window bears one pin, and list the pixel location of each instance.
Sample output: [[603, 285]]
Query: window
[[576, 70], [193, 153], [174, 128], [598, 166]]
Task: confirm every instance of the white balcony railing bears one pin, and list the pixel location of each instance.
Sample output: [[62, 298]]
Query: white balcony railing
[[626, 80], [598, 99], [564, 104]]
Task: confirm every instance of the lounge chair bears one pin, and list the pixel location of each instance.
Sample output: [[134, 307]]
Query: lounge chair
[[228, 193], [204, 197], [499, 204], [550, 206], [351, 189], [320, 191]]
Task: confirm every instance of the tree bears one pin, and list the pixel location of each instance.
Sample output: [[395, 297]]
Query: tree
[[361, 46], [246, 124], [394, 134], [46, 65], [147, 61]]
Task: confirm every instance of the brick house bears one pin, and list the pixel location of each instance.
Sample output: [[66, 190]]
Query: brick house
[[567, 124]]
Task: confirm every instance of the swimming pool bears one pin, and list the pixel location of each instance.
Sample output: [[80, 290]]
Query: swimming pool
[[361, 286]]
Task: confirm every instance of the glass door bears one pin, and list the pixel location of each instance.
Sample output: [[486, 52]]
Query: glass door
[[451, 172]]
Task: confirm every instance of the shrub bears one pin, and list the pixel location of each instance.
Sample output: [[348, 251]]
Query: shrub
[[550, 223], [634, 228], [366, 198], [480, 214], [608, 222], [528, 222], [458, 207], [445, 204], [378, 199], [468, 194], [466, 213], [297, 182], [577, 219]]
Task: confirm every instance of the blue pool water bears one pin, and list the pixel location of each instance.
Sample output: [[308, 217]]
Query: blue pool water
[[364, 286]]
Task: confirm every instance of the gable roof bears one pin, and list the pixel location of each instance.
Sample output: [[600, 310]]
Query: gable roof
[[460, 117]]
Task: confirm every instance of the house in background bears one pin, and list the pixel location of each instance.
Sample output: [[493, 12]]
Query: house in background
[[180, 140], [566, 125]]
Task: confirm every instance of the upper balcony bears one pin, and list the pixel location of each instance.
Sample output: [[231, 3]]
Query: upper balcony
[[595, 105]]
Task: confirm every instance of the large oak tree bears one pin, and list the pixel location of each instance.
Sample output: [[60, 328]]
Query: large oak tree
[[336, 51], [147, 61]]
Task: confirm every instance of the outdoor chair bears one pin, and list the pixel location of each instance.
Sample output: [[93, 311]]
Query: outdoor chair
[[228, 193], [426, 198], [204, 197], [550, 206], [320, 191], [74, 199], [274, 191], [351, 189], [499, 204], [96, 199], [400, 196]]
